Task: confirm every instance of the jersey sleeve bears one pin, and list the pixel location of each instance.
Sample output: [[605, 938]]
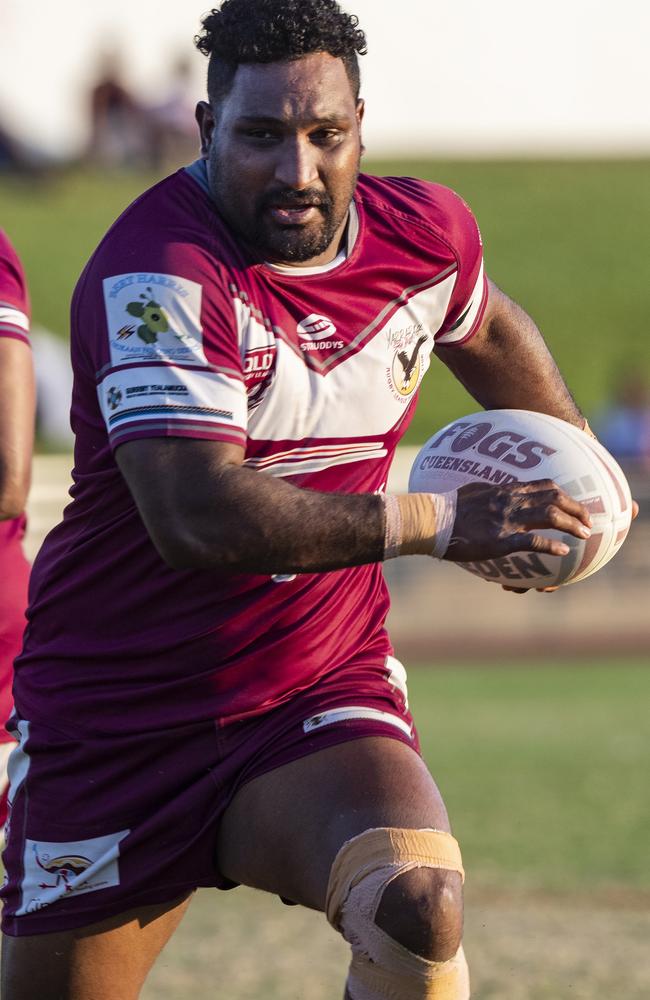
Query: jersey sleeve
[[168, 361], [469, 296], [14, 300]]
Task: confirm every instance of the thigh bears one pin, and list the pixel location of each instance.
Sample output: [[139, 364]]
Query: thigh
[[105, 961], [283, 829]]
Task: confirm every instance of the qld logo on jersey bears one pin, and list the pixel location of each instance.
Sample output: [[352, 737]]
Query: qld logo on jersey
[[154, 317], [318, 333], [259, 368], [407, 364]]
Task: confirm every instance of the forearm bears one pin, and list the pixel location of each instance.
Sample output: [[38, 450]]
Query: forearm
[[262, 524], [508, 365], [17, 406], [203, 509]]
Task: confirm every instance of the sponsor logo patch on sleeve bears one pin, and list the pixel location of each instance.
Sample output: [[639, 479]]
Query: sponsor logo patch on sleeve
[[154, 317]]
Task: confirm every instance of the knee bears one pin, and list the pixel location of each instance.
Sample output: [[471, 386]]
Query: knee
[[422, 909], [395, 895]]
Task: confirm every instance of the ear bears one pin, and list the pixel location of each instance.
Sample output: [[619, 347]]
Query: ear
[[205, 120], [361, 107]]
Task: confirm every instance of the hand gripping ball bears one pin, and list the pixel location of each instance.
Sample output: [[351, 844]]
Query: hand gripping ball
[[505, 446]]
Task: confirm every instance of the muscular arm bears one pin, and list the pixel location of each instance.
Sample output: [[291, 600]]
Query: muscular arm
[[17, 405], [204, 510], [507, 364]]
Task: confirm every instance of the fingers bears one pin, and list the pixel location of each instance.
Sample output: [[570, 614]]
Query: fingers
[[529, 541], [635, 509], [546, 494], [552, 515], [498, 520]]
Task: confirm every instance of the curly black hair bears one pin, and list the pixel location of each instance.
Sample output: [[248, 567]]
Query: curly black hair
[[265, 31]]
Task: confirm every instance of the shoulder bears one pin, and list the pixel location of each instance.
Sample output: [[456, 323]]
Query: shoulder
[[171, 233], [424, 204], [172, 213]]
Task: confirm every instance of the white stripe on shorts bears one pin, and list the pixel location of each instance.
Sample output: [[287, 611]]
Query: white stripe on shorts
[[355, 712], [18, 763]]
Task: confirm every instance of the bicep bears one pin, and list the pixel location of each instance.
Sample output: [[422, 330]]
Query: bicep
[[507, 364], [172, 479], [17, 409]]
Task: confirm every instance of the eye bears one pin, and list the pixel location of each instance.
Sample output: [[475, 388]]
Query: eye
[[327, 136], [260, 135]]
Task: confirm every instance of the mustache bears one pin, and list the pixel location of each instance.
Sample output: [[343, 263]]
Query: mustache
[[288, 198]]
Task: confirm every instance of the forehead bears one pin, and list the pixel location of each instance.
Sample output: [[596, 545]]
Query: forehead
[[312, 87]]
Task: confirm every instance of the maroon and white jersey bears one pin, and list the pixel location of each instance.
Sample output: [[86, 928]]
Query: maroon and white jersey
[[177, 331], [14, 570]]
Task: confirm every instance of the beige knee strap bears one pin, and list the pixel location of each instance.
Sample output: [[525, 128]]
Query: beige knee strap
[[382, 969]]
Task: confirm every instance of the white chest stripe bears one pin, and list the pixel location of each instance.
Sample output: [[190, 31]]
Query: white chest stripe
[[297, 461]]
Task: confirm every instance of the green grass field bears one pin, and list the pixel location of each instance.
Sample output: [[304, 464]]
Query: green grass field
[[566, 239], [545, 773]]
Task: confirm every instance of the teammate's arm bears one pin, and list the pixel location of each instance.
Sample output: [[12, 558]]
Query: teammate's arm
[[203, 509], [17, 405], [506, 363]]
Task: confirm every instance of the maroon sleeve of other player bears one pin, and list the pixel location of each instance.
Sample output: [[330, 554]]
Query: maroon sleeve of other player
[[14, 300]]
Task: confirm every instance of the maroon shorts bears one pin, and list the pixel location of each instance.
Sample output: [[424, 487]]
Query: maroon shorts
[[103, 824]]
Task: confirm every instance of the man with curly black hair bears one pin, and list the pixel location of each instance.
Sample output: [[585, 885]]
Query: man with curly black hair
[[207, 694]]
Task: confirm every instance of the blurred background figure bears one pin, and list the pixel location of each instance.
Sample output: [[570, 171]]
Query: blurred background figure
[[18, 157], [118, 132], [173, 137], [10, 156], [53, 373], [17, 406], [623, 425]]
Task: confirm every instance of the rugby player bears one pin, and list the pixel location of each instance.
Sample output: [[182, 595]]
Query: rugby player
[[207, 694], [17, 405]]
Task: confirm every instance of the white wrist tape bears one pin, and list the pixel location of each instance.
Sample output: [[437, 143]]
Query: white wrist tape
[[393, 531], [419, 523], [445, 507]]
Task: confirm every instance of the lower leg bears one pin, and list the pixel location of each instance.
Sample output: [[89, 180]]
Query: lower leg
[[105, 961]]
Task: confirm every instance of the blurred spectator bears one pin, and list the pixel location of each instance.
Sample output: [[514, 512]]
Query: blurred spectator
[[9, 153], [18, 157], [173, 131], [624, 425], [53, 389], [118, 131]]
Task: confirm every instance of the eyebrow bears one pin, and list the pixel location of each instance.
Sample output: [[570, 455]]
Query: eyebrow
[[331, 120]]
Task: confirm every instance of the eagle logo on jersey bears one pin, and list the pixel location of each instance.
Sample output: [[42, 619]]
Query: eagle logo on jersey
[[410, 368], [406, 369]]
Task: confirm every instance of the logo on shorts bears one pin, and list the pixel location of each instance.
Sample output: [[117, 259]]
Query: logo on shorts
[[54, 870], [62, 869]]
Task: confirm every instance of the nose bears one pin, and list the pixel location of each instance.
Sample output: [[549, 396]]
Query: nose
[[297, 163]]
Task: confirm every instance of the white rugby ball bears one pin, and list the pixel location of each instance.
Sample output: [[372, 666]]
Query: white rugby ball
[[505, 446]]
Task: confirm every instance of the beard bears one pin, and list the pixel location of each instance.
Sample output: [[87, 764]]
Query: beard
[[252, 220]]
